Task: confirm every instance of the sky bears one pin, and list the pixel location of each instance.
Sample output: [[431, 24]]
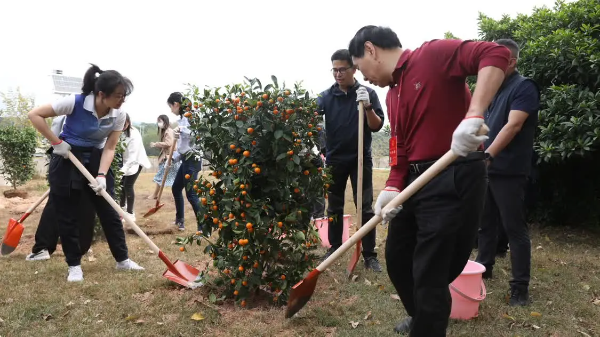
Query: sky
[[162, 45]]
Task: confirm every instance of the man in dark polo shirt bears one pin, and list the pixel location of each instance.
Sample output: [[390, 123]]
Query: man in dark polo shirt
[[339, 104], [431, 111], [512, 119]]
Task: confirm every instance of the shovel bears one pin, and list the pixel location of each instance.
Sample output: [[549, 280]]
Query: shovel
[[15, 228], [162, 183], [178, 272], [359, 188], [303, 290]]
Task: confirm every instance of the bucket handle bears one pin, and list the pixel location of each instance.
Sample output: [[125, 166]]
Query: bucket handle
[[483, 293]]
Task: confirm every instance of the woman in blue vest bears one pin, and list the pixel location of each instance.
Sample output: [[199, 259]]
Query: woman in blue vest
[[91, 132], [189, 163]]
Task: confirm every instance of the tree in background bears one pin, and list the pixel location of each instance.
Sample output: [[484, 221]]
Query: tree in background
[[16, 105], [560, 50], [17, 146]]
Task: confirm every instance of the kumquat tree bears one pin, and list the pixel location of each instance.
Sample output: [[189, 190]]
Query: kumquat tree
[[261, 144]]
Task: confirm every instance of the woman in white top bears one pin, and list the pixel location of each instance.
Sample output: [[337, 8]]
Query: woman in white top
[[134, 159], [91, 131]]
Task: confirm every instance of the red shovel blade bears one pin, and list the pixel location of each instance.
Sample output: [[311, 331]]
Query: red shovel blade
[[180, 272], [153, 210], [12, 237], [354, 259], [301, 293]]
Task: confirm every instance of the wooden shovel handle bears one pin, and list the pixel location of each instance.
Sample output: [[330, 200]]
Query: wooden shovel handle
[[34, 206], [359, 174], [400, 199], [114, 205], [167, 168]]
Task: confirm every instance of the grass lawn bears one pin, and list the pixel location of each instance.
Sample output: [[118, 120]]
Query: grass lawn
[[36, 300]]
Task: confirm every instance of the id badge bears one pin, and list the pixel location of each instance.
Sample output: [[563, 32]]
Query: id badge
[[393, 151]]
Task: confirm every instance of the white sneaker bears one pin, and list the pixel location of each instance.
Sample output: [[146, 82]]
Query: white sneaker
[[129, 265], [131, 215], [39, 256], [75, 274]]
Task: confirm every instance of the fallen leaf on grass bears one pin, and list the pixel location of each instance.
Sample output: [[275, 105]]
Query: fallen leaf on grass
[[368, 316], [151, 252], [535, 326], [139, 321], [66, 314], [586, 287], [86, 301], [538, 247], [583, 333], [381, 287], [354, 277], [91, 258], [47, 317], [508, 317], [131, 318], [36, 272], [336, 281], [367, 282], [354, 324], [99, 321], [535, 314], [395, 297], [160, 323], [596, 301], [1, 321], [197, 316], [70, 304]]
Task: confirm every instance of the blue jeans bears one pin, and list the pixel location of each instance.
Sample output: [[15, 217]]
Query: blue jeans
[[191, 167]]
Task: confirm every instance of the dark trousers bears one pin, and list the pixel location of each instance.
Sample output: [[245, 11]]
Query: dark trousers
[[192, 167], [46, 234], [505, 206], [430, 240], [69, 227], [127, 191], [340, 173]]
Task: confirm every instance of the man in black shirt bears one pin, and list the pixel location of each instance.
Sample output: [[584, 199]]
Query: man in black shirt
[[512, 118], [339, 104]]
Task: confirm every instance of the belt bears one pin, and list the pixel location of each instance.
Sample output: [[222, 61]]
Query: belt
[[420, 167]]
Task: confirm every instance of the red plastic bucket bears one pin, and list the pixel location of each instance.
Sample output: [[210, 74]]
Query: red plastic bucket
[[323, 228]]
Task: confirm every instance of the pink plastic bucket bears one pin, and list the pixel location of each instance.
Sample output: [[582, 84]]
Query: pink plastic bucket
[[467, 291], [323, 228]]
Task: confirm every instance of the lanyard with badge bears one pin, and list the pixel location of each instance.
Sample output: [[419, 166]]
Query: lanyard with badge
[[393, 127]]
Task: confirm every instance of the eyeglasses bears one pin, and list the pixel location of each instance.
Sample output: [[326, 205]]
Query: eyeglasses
[[340, 70]]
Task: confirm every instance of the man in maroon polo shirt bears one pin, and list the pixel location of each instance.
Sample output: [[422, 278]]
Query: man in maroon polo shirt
[[431, 111]]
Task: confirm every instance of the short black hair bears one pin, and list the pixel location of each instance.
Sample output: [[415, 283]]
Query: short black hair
[[382, 37], [511, 45], [342, 55]]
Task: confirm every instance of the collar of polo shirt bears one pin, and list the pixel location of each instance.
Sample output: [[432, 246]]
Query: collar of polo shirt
[[88, 104]]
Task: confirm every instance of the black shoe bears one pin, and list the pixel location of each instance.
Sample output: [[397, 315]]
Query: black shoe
[[519, 296], [404, 326], [488, 274], [371, 262]]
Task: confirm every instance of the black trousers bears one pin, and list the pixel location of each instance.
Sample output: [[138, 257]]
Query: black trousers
[[505, 206], [67, 188], [340, 173], [46, 234], [430, 240], [127, 191]]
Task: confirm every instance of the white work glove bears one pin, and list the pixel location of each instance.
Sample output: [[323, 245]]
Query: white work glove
[[100, 185], [385, 196], [62, 149], [465, 138], [176, 157], [363, 95]]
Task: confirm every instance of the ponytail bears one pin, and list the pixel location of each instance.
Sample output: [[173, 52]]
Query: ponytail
[[178, 97], [89, 79], [105, 81]]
